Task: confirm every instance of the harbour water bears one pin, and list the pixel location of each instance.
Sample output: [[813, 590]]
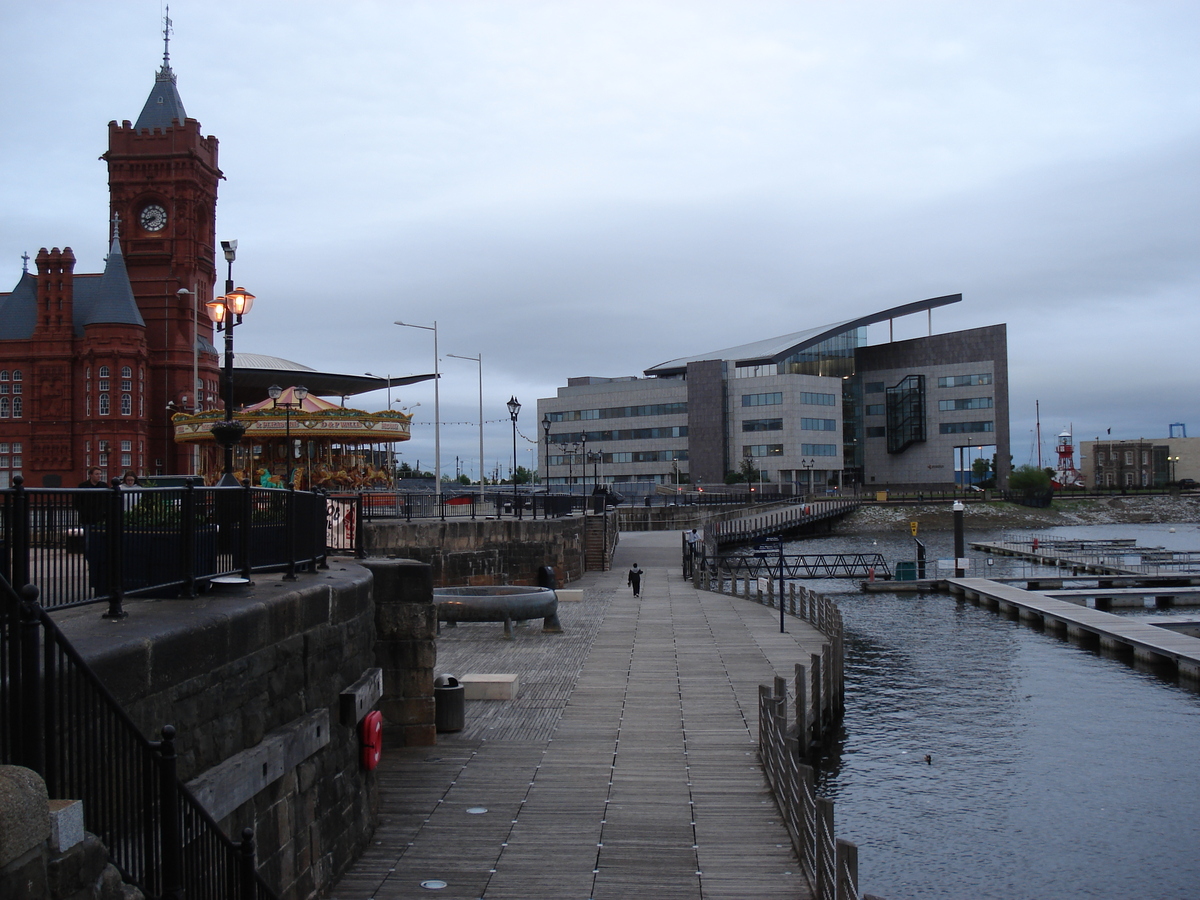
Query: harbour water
[[1054, 772]]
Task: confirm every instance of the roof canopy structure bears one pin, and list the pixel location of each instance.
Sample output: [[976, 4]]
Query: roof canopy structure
[[253, 373], [777, 349]]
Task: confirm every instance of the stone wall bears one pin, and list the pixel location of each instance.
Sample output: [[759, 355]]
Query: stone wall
[[483, 551], [241, 672], [44, 852]]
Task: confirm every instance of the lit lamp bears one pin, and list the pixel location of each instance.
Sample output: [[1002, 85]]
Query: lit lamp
[[514, 407], [299, 393], [226, 312]]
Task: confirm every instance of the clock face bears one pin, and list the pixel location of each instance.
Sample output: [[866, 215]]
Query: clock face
[[154, 218]]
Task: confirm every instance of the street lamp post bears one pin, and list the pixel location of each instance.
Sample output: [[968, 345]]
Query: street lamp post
[[514, 408], [546, 437], [808, 467], [299, 393], [437, 412], [477, 359], [227, 311]]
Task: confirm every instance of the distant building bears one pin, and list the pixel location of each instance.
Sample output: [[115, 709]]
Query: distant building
[[92, 366], [815, 407], [1140, 463]]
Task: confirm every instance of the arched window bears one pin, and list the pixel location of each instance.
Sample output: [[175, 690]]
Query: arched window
[[126, 405], [103, 405], [3, 374], [17, 407], [103, 372], [126, 372], [3, 407], [17, 381]]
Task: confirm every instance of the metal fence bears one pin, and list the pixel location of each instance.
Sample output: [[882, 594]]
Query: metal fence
[[59, 720], [89, 545], [829, 864], [490, 504]]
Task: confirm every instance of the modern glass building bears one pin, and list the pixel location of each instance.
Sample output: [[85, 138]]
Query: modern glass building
[[815, 408]]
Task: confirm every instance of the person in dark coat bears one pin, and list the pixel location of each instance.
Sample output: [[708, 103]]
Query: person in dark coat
[[635, 580], [92, 509]]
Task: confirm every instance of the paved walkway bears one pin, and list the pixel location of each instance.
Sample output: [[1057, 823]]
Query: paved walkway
[[627, 766]]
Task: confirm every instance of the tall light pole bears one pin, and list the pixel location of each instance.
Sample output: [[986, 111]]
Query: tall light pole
[[437, 412], [477, 359], [514, 408], [808, 467], [546, 438], [227, 311]]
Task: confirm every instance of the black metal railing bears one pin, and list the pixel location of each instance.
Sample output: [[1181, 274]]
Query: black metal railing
[[491, 504], [59, 720], [91, 545]]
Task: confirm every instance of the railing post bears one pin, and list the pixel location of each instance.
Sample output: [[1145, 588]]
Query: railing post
[[244, 537], [188, 534], [247, 887], [290, 533], [169, 830], [846, 869], [20, 528], [114, 528], [359, 551], [31, 697], [824, 861]]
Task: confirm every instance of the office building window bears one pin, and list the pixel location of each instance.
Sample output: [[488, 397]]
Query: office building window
[[965, 427], [772, 399], [950, 381], [757, 450], [965, 403], [818, 424], [818, 399], [819, 450], [762, 425]]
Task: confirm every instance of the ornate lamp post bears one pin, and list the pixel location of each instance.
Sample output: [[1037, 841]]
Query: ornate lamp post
[[299, 393], [227, 311], [514, 408], [808, 467], [546, 438]]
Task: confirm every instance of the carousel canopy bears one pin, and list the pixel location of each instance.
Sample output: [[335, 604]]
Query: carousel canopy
[[253, 373], [309, 419]]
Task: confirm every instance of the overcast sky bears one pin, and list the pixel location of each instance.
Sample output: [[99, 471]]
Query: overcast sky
[[594, 188]]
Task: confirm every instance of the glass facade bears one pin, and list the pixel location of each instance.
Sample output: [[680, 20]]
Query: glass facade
[[833, 357]]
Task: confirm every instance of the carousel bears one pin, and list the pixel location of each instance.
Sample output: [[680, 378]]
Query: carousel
[[318, 443]]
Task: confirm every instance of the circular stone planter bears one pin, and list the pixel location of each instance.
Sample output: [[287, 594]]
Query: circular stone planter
[[498, 603]]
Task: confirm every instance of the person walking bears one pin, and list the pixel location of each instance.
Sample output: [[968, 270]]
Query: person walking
[[635, 580], [129, 481]]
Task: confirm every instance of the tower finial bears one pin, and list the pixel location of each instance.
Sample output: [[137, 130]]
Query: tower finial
[[25, 262], [167, 39], [116, 220]]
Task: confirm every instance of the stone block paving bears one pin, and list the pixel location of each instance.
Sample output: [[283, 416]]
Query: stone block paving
[[627, 766]]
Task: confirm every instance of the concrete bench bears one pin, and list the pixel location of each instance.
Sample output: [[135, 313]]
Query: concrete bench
[[490, 687]]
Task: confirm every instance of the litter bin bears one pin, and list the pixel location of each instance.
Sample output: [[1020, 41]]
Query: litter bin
[[906, 570], [449, 703], [547, 579]]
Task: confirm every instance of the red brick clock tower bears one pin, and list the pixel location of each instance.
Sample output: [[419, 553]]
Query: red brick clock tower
[[162, 178]]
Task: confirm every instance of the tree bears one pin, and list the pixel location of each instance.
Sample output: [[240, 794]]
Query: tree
[[1029, 478], [522, 476]]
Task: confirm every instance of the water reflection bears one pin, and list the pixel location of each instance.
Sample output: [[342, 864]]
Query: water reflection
[[1054, 771]]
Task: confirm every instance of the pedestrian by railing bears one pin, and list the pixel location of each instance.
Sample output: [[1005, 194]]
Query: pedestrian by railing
[[82, 545], [57, 719]]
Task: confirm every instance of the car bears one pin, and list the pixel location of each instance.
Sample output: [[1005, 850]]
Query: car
[[1188, 484]]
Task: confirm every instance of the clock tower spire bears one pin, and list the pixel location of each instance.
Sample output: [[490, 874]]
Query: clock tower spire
[[162, 181]]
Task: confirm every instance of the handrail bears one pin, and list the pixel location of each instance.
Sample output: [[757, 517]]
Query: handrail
[[84, 545], [59, 720]]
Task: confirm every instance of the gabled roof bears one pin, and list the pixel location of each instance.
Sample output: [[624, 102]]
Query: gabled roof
[[96, 299], [164, 103], [777, 349], [18, 310]]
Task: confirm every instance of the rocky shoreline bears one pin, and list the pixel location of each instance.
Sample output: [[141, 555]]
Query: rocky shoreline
[[889, 517]]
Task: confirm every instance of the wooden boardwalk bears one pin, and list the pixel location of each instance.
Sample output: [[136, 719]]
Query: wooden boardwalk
[[1147, 643], [627, 765]]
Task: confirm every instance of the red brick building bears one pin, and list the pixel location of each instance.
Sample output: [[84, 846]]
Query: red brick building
[[92, 366]]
